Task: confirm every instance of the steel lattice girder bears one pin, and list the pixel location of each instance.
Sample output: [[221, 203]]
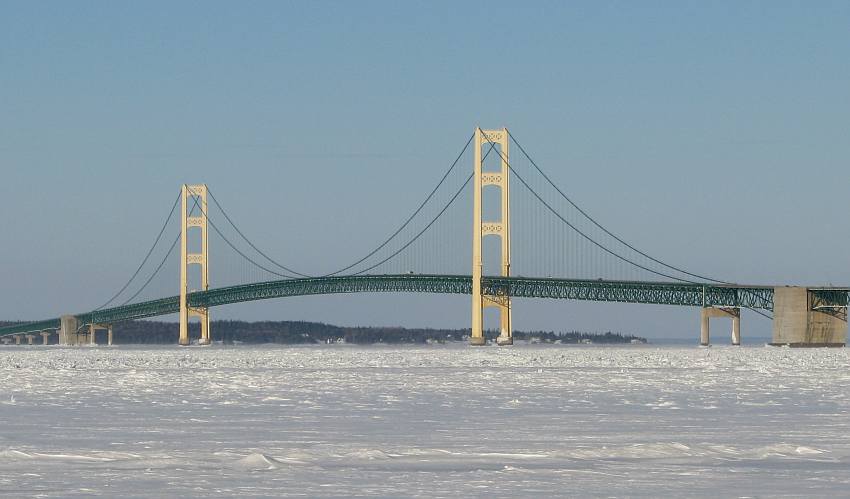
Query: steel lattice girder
[[162, 306], [412, 283], [664, 293], [829, 298], [30, 327]]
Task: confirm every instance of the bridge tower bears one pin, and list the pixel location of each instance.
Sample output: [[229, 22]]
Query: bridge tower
[[197, 196], [481, 228]]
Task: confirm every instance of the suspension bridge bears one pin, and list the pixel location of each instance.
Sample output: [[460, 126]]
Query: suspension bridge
[[529, 239]]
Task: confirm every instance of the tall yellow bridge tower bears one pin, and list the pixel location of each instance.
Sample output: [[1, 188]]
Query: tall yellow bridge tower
[[197, 195], [490, 140]]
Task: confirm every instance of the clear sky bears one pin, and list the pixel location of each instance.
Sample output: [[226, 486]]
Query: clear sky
[[715, 135]]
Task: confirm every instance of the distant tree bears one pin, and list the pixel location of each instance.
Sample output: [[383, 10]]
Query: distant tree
[[299, 332]]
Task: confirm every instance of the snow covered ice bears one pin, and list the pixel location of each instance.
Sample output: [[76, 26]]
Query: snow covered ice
[[428, 421]]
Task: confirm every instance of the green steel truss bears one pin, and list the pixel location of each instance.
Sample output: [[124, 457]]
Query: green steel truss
[[30, 327], [662, 293], [829, 298]]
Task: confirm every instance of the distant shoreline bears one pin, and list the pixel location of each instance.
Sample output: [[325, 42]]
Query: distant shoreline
[[301, 332]]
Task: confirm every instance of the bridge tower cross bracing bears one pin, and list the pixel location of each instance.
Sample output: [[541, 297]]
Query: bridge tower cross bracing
[[488, 139], [190, 194]]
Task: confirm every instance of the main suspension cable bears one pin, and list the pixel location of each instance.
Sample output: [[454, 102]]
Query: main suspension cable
[[240, 252], [251, 244], [434, 220], [410, 218], [591, 240], [147, 256], [597, 224], [162, 262], [437, 217], [577, 230], [296, 274], [155, 272]]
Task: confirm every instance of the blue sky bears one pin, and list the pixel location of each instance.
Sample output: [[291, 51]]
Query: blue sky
[[711, 134]]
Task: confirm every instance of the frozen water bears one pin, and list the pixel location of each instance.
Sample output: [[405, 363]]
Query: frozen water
[[429, 421]]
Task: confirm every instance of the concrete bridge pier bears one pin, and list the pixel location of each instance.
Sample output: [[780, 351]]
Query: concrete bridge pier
[[805, 317], [68, 325], [92, 333], [706, 313], [45, 337], [30, 338], [17, 339]]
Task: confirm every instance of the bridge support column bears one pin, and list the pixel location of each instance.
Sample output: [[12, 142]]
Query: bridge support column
[[804, 317], [736, 329], [45, 337], [704, 339], [188, 220], [497, 298], [706, 313], [17, 339], [30, 338], [93, 333]]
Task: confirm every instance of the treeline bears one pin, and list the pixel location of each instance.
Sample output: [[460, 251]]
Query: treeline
[[298, 332]]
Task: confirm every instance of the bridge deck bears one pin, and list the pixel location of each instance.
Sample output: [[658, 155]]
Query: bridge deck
[[662, 293]]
